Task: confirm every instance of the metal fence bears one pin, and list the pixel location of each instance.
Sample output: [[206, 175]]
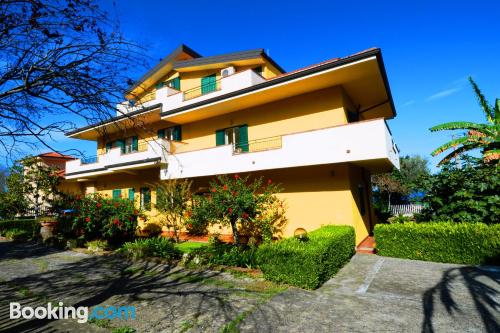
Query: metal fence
[[409, 209]]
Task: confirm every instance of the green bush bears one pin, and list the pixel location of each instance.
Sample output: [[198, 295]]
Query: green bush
[[96, 217], [18, 235], [307, 264], [219, 253], [151, 247], [31, 227], [460, 243]]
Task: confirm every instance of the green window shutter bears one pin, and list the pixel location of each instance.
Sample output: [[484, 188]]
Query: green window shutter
[[131, 193], [161, 134], [208, 83], [159, 85], [243, 144], [146, 198], [219, 138], [177, 133], [117, 194], [109, 145], [135, 143], [121, 144], [176, 83]]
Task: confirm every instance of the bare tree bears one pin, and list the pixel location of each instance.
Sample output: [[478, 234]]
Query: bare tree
[[62, 63]]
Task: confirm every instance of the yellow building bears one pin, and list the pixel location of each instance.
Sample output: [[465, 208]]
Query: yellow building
[[320, 131]]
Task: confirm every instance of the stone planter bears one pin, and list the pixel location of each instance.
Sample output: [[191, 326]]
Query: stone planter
[[47, 228]]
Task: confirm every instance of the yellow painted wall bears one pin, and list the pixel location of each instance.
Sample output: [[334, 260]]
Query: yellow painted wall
[[314, 195]]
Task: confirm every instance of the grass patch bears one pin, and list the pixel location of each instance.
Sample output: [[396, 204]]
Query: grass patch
[[102, 323], [188, 247]]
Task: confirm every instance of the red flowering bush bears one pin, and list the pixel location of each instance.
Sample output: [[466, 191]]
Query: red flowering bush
[[249, 207], [98, 217]]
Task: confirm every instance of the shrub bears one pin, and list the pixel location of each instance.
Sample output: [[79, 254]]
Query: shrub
[[30, 227], [218, 253], [17, 235], [400, 219], [97, 245], [249, 206], [151, 247], [460, 243], [102, 218], [307, 264]]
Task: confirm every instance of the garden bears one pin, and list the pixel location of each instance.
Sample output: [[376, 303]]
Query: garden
[[248, 207]]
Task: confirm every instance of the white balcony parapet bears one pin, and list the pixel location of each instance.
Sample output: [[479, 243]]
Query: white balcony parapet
[[355, 142], [173, 99], [149, 153]]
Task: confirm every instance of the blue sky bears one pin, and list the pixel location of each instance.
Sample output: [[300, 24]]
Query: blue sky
[[429, 47]]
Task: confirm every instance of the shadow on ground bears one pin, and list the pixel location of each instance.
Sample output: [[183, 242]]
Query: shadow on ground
[[172, 293], [482, 284]]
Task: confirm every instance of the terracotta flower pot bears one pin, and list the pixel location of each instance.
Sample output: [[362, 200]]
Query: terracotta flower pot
[[47, 229]]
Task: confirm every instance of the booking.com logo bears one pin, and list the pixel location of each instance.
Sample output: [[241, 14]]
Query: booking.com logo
[[81, 313]]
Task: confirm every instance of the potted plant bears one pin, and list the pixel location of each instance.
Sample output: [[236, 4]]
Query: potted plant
[[48, 225]]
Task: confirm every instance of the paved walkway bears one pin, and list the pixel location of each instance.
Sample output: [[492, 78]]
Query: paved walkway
[[370, 294]]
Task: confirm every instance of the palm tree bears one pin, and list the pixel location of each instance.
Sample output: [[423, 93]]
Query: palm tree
[[483, 136]]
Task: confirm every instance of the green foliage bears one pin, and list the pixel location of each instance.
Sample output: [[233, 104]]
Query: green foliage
[[97, 245], [466, 193], [242, 204], [219, 253], [19, 230], [172, 199], [102, 218], [484, 136], [400, 219], [188, 247], [307, 264], [124, 329], [460, 243], [151, 247]]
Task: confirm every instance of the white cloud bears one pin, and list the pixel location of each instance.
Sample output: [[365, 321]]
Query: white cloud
[[408, 103], [444, 93]]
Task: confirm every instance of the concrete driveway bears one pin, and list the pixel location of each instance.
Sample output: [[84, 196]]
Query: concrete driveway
[[380, 294], [370, 294]]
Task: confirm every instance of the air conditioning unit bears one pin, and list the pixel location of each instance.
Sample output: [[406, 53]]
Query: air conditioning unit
[[227, 71]]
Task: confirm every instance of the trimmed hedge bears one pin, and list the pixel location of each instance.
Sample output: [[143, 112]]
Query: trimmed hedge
[[30, 227], [459, 243], [307, 264]]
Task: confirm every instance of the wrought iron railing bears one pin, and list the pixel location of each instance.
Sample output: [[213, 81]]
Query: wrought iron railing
[[257, 145], [90, 159], [202, 90]]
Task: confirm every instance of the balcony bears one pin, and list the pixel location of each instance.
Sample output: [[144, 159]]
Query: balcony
[[148, 154], [366, 143], [173, 99]]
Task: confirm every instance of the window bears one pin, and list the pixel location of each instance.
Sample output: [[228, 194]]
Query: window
[[208, 84], [174, 83], [352, 116], [361, 199], [173, 133], [117, 194], [145, 198], [127, 145], [237, 136], [131, 193]]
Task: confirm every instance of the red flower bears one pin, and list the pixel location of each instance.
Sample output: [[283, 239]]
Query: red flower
[[189, 213], [230, 210], [117, 204], [136, 212], [116, 221], [87, 219], [269, 182], [99, 205], [236, 176], [244, 216], [214, 190], [78, 197], [225, 187], [189, 226]]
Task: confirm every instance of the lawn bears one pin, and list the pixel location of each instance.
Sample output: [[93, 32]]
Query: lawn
[[188, 247]]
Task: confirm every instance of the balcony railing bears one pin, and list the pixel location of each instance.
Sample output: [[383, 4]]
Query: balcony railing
[[141, 147], [257, 145], [202, 90], [90, 159]]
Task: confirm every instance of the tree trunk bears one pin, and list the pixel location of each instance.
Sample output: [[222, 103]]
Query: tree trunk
[[236, 237]]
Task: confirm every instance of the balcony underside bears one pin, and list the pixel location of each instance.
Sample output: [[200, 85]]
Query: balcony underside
[[128, 167]]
